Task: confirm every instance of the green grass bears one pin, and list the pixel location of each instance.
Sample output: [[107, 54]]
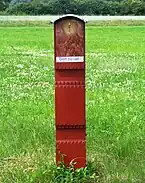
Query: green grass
[[46, 23], [115, 103]]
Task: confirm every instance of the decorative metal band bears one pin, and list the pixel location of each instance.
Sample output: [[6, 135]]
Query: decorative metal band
[[70, 86], [75, 142], [74, 66], [70, 126], [69, 83]]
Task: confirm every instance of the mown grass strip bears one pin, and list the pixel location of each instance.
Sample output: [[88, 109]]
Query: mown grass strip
[[29, 23]]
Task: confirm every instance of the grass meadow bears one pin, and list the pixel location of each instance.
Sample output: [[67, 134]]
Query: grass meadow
[[115, 104]]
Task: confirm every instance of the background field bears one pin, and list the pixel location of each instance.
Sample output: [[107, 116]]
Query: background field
[[53, 17], [115, 91], [23, 21]]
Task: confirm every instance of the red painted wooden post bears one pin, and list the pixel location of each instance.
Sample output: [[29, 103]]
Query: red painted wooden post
[[70, 115]]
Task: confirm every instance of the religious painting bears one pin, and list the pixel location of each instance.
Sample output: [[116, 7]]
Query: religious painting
[[69, 38]]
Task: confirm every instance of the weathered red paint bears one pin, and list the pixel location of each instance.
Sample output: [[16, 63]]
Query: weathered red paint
[[70, 115]]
